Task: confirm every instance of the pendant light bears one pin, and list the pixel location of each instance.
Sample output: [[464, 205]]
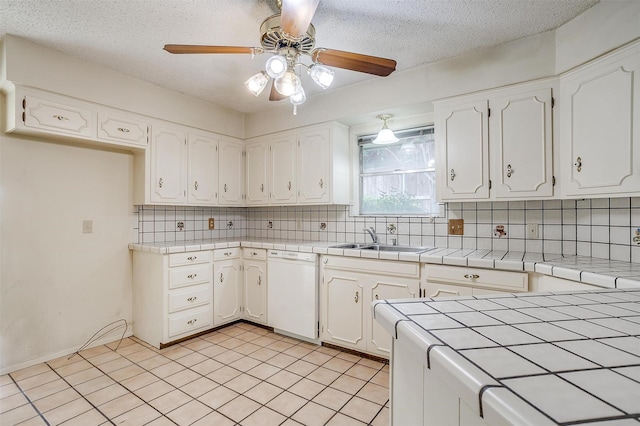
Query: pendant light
[[385, 135]]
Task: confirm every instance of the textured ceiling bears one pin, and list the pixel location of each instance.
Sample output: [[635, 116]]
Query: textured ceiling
[[128, 35]]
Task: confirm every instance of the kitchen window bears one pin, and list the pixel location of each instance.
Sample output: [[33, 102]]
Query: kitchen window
[[399, 178]]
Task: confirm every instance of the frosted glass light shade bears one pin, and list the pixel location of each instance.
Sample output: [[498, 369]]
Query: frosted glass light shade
[[276, 66], [323, 76], [288, 84], [385, 136], [256, 83], [299, 97]]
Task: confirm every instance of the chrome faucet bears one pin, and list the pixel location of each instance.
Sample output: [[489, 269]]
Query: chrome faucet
[[373, 234]]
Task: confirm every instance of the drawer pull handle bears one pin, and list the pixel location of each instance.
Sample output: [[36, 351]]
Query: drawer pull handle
[[357, 297], [123, 130], [192, 299], [192, 276], [578, 164], [262, 187], [195, 185], [509, 170], [192, 258], [160, 183], [321, 183], [60, 117], [227, 253], [325, 260], [225, 187], [289, 186], [452, 174], [259, 280], [193, 321], [253, 253], [376, 297], [221, 277], [472, 276]]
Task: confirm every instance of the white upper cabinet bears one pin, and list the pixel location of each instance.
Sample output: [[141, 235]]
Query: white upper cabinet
[[168, 167], [202, 169], [314, 158], [496, 145], [58, 115], [257, 189], [283, 169], [231, 172], [600, 132], [462, 150], [122, 128]]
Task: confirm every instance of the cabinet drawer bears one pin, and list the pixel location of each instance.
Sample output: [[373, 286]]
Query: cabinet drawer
[[189, 258], [475, 277], [190, 275], [58, 117], [118, 129], [190, 297], [228, 253], [251, 253], [190, 321]]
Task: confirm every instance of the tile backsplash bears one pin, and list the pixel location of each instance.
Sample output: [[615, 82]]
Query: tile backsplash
[[603, 228]]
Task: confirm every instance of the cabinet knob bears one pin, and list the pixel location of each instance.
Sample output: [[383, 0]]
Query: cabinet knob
[[225, 187], [195, 185], [262, 187], [160, 183], [221, 277], [253, 253], [192, 276], [357, 297], [259, 280], [376, 297], [192, 258], [509, 170], [578, 164], [325, 260], [289, 186], [193, 321], [123, 130], [472, 276], [192, 299], [60, 117], [321, 183], [227, 253], [452, 174]]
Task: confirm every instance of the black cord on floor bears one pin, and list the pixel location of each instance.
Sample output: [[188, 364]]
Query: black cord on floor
[[96, 336]]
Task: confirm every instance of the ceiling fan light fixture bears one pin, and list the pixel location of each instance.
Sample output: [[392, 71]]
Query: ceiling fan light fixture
[[323, 76], [385, 135], [257, 83], [288, 84], [276, 66], [299, 97]]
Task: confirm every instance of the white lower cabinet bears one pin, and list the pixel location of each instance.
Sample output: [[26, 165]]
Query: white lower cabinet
[[452, 281], [255, 285], [172, 296], [227, 285], [347, 289]]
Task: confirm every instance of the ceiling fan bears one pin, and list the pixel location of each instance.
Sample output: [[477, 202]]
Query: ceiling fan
[[288, 36]]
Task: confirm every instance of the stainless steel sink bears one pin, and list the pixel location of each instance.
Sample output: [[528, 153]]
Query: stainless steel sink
[[386, 247], [352, 246]]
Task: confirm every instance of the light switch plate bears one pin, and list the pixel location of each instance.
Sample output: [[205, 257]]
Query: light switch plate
[[456, 226], [533, 231], [212, 223], [87, 226]]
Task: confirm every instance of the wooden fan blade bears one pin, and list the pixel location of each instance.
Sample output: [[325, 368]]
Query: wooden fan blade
[[354, 61], [275, 95], [191, 48], [296, 16]]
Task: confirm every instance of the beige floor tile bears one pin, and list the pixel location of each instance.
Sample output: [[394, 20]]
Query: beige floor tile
[[231, 343], [197, 344], [167, 369], [181, 378], [170, 401], [212, 351], [223, 375], [64, 360], [332, 398], [284, 379], [361, 409], [323, 375], [206, 367], [263, 371], [56, 400], [281, 360], [154, 390], [245, 363], [217, 338], [175, 352], [381, 378], [126, 372], [95, 351], [301, 368], [141, 355], [163, 421], [279, 346], [291, 340], [129, 349], [217, 397], [286, 403], [107, 394], [91, 417], [374, 393], [191, 359], [94, 385], [189, 413], [247, 348], [37, 380], [8, 390], [239, 408], [199, 387], [25, 373], [137, 417], [328, 351], [11, 402], [67, 411], [317, 358], [385, 368], [35, 421], [313, 414], [114, 365], [249, 336], [104, 357], [242, 383], [263, 392], [297, 351], [84, 376], [348, 384], [17, 415], [233, 331], [349, 357], [121, 343], [47, 389], [5, 380], [141, 380], [338, 364], [291, 422], [264, 417], [228, 357], [341, 420], [121, 405], [263, 341], [371, 363], [212, 419], [382, 419], [307, 389], [361, 372], [263, 354], [154, 362]]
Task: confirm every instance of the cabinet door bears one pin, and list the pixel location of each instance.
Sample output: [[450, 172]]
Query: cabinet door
[[314, 171], [257, 160], [445, 290], [255, 291], [283, 170], [521, 145], [65, 117], [601, 119], [227, 291], [203, 170], [168, 165], [342, 311], [462, 144], [122, 129], [231, 173], [381, 288]]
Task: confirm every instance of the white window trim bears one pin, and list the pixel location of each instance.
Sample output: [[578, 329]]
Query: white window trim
[[394, 123]]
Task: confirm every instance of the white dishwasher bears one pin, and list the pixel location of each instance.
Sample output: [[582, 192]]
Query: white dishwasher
[[292, 288]]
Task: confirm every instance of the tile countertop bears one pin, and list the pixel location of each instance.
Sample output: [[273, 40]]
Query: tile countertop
[[530, 358], [589, 270]]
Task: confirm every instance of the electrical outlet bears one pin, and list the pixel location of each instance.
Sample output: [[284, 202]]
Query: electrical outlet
[[212, 223], [456, 226], [533, 231], [87, 226]]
